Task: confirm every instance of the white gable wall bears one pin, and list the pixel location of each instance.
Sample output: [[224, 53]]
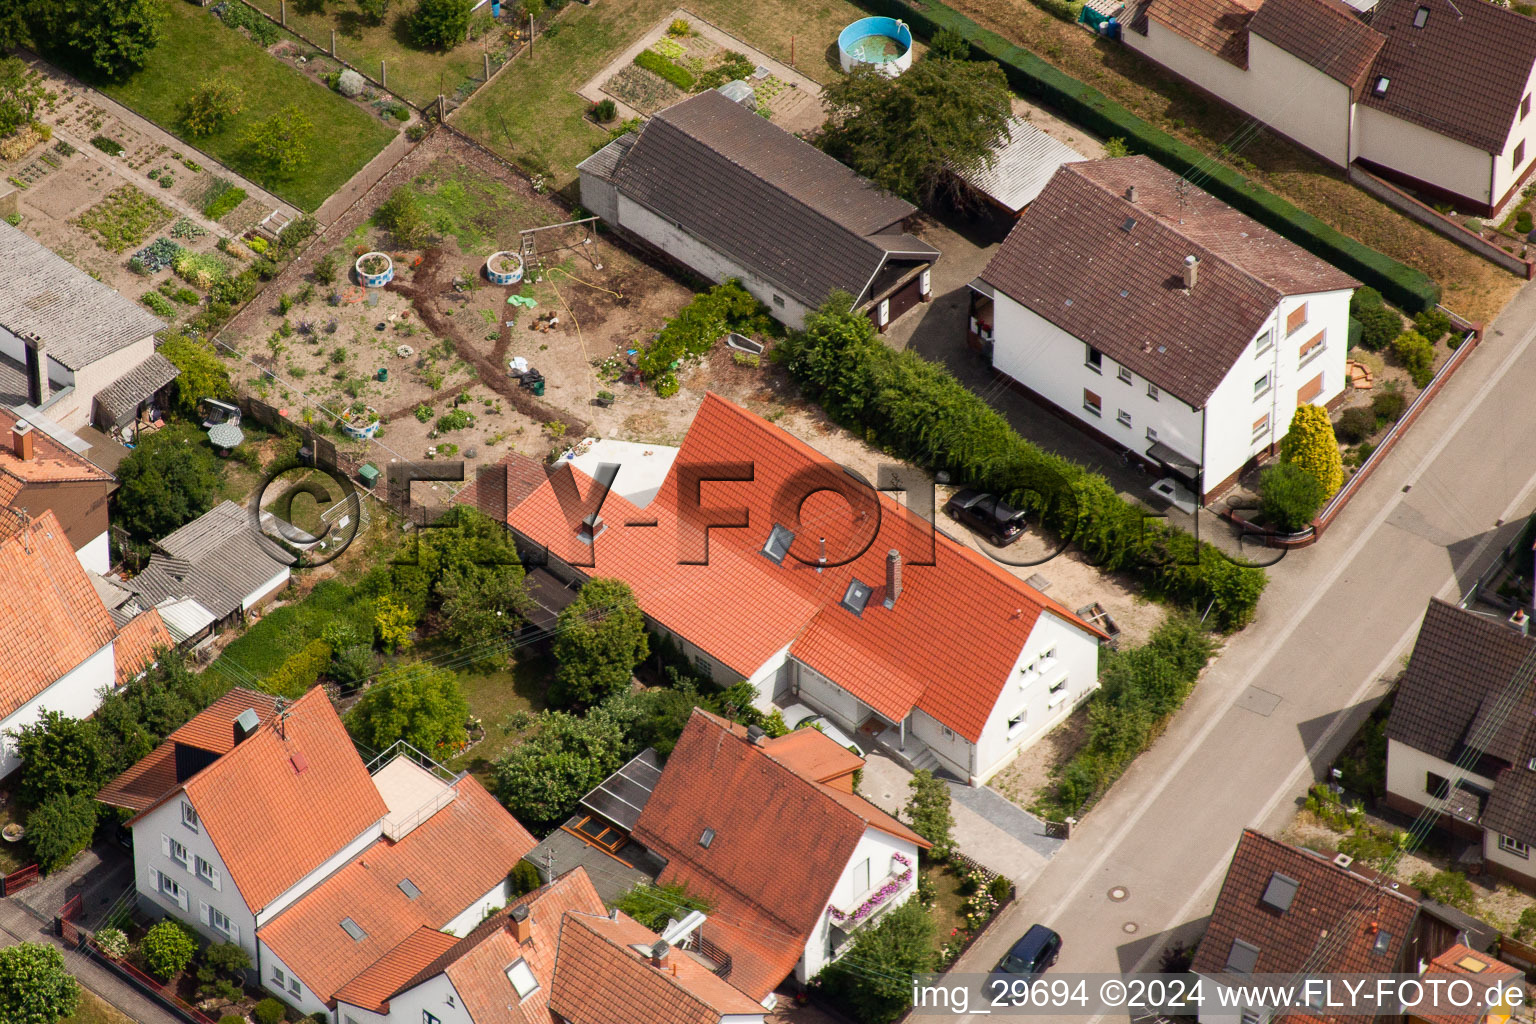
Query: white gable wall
[[493, 899], [1408, 771], [96, 555], [1506, 170], [717, 266], [1419, 153], [151, 858], [76, 694], [876, 847], [75, 410], [279, 980]]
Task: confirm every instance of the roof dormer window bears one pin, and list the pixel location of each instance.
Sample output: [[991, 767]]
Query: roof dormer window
[[1380, 88], [1420, 16]]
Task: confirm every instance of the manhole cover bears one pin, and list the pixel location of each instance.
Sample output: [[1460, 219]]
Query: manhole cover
[[1119, 893], [1129, 927]]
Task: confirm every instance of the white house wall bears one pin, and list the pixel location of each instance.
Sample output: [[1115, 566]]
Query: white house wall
[[1407, 769], [1277, 88], [149, 857], [494, 899], [96, 554], [1506, 171], [1053, 363], [304, 1000], [955, 753], [830, 699], [1075, 657], [76, 694], [75, 410], [278, 579], [716, 266], [772, 679], [877, 847], [1423, 154]]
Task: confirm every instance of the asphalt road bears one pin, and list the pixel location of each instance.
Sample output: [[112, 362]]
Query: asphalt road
[[1288, 691]]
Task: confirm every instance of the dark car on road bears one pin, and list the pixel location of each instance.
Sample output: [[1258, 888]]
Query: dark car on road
[[988, 515], [1032, 954]]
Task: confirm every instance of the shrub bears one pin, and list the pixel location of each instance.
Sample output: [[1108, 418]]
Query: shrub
[[679, 27], [158, 305], [232, 1018], [227, 958], [1355, 425], [1379, 324], [402, 216], [1473, 225], [1417, 355], [872, 982], [440, 24], [928, 811], [658, 65], [1116, 148], [524, 878], [1000, 888], [423, 413], [111, 147], [299, 672], [1523, 222], [604, 111], [947, 44], [1289, 497], [455, 419], [395, 625], [325, 268], [167, 947], [61, 827], [112, 942], [1310, 444], [211, 105], [917, 410], [1448, 887], [268, 1011], [653, 905], [1388, 405], [35, 985], [1434, 324]]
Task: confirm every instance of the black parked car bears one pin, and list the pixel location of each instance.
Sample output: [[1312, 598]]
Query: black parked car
[[988, 515], [1031, 955]]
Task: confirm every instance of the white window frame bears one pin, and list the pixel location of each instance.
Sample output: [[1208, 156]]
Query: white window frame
[[189, 817], [170, 887], [1151, 433], [1097, 410], [1123, 418], [1265, 343], [205, 871], [294, 988], [1316, 351], [179, 853], [1262, 385], [1262, 429], [227, 928], [1090, 355], [278, 976], [1153, 392], [429, 1018], [1018, 721], [1125, 376], [1514, 847]]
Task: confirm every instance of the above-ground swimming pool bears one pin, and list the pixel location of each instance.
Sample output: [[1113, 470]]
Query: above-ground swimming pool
[[883, 43]]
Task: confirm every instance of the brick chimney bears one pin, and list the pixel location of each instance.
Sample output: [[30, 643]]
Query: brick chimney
[[659, 953], [37, 371], [21, 440], [1191, 272], [1130, 194], [518, 925], [892, 577]]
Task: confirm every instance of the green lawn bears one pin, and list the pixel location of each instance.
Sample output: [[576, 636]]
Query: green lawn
[[95, 1010], [532, 114], [417, 75], [196, 45], [493, 697]]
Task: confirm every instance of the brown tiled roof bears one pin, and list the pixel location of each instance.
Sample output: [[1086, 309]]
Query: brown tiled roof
[[600, 979], [212, 729], [1326, 34], [718, 779], [1467, 963], [1461, 666], [774, 203], [136, 643], [55, 620], [477, 964], [1511, 807], [1328, 927], [453, 858], [301, 771], [389, 974], [1071, 259], [1462, 75], [497, 488], [51, 463], [1217, 26]]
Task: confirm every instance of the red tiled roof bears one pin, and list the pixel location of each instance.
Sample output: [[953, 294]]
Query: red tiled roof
[[51, 462], [286, 800], [601, 979], [477, 964], [946, 647], [1216, 26], [1326, 34], [54, 618], [1071, 260], [212, 729], [1331, 926], [373, 988], [1466, 962], [718, 779], [812, 754], [456, 856], [136, 643], [499, 487]]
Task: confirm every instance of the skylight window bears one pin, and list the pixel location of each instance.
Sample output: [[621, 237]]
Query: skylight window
[[1382, 82], [351, 928], [1280, 892], [522, 979], [1420, 16], [1243, 957], [1383, 940], [857, 596], [707, 838], [1130, 222], [409, 888], [777, 546]]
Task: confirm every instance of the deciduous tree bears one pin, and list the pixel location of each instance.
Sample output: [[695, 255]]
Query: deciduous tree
[[1310, 445], [280, 142], [19, 93], [114, 39], [61, 827], [203, 373], [215, 100], [171, 478], [35, 988], [543, 777], [929, 813], [60, 756], [440, 24], [908, 133], [418, 703], [874, 978], [373, 11], [600, 640]]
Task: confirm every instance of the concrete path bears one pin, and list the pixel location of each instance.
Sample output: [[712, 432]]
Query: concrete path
[[988, 829], [358, 185], [1335, 621]]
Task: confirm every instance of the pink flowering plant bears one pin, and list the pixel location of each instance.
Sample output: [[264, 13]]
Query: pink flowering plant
[[880, 895]]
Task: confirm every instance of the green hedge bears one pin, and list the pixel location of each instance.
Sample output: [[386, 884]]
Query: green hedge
[[300, 672], [916, 410], [657, 64], [1411, 289]]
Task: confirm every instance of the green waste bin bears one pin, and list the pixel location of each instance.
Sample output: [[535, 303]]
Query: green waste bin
[[538, 388], [368, 474], [383, 373]]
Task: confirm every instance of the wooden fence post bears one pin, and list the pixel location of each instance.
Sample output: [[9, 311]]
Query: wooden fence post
[[282, 9], [384, 73], [487, 57], [333, 42]]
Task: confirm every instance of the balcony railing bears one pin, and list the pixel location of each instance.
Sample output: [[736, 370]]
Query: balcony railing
[[870, 904]]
